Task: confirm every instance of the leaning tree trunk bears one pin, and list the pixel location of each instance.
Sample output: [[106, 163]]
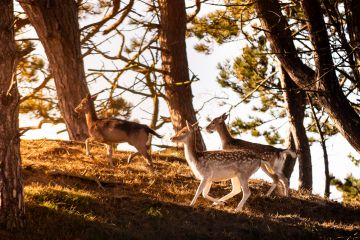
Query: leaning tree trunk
[[352, 9], [175, 65], [295, 110], [11, 187], [324, 82], [56, 23]]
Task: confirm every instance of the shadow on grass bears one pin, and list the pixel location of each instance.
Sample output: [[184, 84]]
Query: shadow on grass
[[314, 210], [142, 218], [126, 211]]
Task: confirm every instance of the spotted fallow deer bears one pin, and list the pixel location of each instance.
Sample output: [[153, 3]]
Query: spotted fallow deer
[[272, 158], [113, 130], [210, 166]]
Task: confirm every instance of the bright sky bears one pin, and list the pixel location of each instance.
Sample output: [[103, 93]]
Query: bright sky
[[204, 66]]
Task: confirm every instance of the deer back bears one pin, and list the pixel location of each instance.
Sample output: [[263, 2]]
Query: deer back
[[117, 131], [220, 165]]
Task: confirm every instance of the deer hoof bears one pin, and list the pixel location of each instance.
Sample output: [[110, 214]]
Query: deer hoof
[[219, 203], [151, 168], [237, 210]]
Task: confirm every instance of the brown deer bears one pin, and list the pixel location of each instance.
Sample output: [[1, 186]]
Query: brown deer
[[272, 158], [210, 166], [113, 130]]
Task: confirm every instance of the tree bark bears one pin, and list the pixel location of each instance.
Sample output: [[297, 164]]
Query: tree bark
[[175, 65], [290, 162], [336, 20], [324, 82], [295, 100], [12, 208], [56, 23], [352, 9]]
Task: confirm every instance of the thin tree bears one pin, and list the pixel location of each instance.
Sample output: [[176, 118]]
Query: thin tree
[[175, 65], [56, 23], [11, 187], [323, 146], [295, 100]]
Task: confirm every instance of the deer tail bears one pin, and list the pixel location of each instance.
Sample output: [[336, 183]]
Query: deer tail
[[292, 153], [279, 164], [151, 131]]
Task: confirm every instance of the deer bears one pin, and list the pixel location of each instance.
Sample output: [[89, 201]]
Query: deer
[[272, 158], [112, 131], [213, 166]]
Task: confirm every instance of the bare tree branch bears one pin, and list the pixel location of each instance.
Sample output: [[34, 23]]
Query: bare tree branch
[[126, 10], [96, 26], [197, 10]]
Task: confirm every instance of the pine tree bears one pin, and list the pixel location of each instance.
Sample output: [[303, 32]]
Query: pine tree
[[12, 209]]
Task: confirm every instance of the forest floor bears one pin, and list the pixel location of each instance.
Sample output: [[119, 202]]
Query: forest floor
[[70, 196]]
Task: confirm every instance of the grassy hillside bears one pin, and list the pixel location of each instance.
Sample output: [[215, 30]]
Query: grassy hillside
[[69, 196]]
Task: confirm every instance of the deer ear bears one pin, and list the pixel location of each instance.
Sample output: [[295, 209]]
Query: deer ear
[[188, 125], [224, 116], [94, 97]]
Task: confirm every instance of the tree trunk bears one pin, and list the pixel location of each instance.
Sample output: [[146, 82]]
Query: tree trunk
[[323, 145], [336, 21], [290, 162], [325, 83], [353, 23], [11, 187], [295, 109], [56, 23], [175, 65], [156, 106]]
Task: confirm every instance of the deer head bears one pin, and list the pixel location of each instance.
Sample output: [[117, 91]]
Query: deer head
[[85, 104], [216, 122], [185, 134]]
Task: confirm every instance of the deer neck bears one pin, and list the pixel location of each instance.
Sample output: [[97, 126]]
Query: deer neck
[[190, 152], [91, 116], [224, 134]]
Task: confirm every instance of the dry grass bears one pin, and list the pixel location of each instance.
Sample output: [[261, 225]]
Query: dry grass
[[128, 202]]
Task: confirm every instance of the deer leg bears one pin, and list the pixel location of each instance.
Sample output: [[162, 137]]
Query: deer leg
[[137, 154], [272, 175], [246, 193], [285, 183], [278, 168], [109, 154], [201, 187], [205, 193], [131, 156], [87, 147], [143, 151], [236, 189]]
